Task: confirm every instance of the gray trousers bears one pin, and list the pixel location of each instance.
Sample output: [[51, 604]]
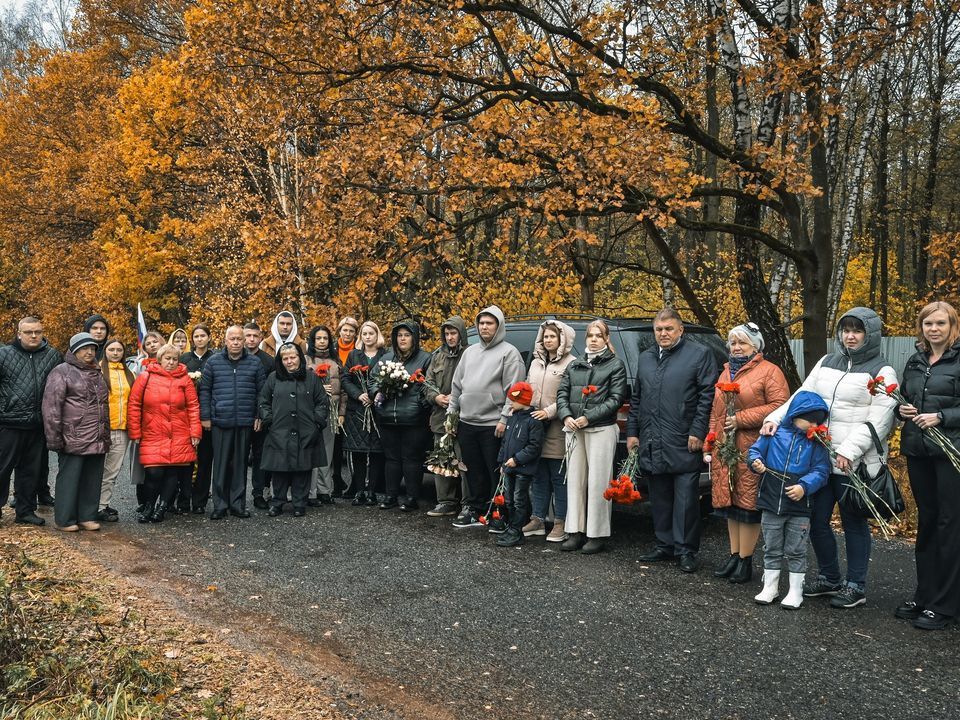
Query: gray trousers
[[785, 536], [78, 489], [675, 506]]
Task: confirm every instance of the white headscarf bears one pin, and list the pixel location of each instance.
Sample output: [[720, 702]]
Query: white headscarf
[[276, 333]]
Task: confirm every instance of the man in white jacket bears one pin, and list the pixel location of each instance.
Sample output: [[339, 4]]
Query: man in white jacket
[[479, 396]]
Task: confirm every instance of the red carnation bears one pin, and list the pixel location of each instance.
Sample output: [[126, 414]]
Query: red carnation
[[322, 371], [496, 514], [589, 389], [499, 500]]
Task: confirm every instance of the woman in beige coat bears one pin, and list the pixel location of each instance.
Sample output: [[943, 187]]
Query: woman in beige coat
[[551, 355], [762, 388]]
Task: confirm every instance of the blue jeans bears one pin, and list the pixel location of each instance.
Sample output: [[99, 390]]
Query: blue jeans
[[856, 535], [549, 480]]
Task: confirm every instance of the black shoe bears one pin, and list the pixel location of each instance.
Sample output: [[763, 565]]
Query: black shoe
[[30, 519], [726, 570], [199, 510], [371, 500], [44, 501], [348, 494], [299, 512], [594, 546], [820, 587], [111, 511], [313, 502], [497, 527], [443, 509], [388, 503], [325, 499], [467, 519], [743, 572], [274, 511], [144, 515], [658, 555], [848, 597], [908, 610], [359, 499], [240, 513], [930, 620], [576, 541], [511, 538], [105, 516], [159, 512], [141, 509], [689, 563], [259, 503], [408, 506], [218, 514]]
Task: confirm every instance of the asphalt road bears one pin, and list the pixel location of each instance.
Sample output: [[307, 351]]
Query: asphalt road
[[401, 615]]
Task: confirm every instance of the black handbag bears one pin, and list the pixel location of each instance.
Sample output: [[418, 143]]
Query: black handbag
[[881, 489]]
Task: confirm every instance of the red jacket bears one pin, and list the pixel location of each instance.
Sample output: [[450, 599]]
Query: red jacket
[[164, 414]]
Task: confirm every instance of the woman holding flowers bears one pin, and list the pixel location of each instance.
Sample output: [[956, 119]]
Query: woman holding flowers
[[749, 389], [591, 392], [931, 389], [841, 379], [361, 437], [401, 414], [323, 361]]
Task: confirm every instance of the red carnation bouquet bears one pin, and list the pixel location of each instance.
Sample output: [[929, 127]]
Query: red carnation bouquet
[[725, 443], [362, 374], [323, 372], [621, 488]]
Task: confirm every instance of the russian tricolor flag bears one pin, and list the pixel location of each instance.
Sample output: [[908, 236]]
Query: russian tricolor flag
[[141, 326]]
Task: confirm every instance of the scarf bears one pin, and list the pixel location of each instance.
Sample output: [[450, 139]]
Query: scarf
[[737, 363], [343, 349]]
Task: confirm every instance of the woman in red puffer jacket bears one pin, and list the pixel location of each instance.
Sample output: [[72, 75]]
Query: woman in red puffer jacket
[[164, 415]]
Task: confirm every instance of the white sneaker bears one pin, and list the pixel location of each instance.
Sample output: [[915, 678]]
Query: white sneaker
[[534, 527], [771, 582]]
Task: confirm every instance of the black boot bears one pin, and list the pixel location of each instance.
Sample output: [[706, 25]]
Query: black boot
[[144, 513], [744, 571], [728, 567], [359, 499], [159, 512], [576, 541]]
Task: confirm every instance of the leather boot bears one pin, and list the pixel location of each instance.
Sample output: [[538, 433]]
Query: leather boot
[[794, 598], [159, 512], [743, 573], [726, 570], [771, 582], [574, 542]]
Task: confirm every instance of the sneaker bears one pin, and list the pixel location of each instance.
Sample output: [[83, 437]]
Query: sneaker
[[444, 509], [557, 533], [534, 527], [467, 519], [908, 610], [820, 587], [497, 527], [848, 597], [930, 620], [511, 538], [105, 516]]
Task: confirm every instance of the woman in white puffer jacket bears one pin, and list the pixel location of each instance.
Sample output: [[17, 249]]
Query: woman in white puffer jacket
[[840, 378]]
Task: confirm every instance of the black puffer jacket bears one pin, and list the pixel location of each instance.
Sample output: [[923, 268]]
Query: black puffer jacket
[[605, 378], [356, 438], [295, 409], [229, 390], [410, 407], [23, 375], [932, 388], [672, 399]]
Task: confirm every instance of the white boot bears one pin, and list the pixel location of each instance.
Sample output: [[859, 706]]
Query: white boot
[[794, 598], [771, 581]]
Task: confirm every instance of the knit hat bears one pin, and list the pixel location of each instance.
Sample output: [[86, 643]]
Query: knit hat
[[813, 416], [752, 331], [521, 392], [81, 340]]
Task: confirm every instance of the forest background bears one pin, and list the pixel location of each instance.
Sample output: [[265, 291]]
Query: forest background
[[219, 160]]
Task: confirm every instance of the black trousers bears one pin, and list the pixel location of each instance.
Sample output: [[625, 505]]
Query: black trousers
[[404, 449], [259, 479], [936, 488], [479, 446], [364, 481], [298, 484], [204, 467], [78, 488], [518, 500], [230, 447], [22, 451], [675, 507], [162, 483]]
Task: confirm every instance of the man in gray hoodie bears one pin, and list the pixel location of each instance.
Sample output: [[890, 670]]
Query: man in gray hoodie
[[478, 395]]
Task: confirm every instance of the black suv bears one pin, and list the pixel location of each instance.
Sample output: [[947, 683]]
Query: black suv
[[629, 337]]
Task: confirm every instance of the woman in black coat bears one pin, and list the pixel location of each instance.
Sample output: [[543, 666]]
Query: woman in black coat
[[294, 408], [361, 436], [931, 387]]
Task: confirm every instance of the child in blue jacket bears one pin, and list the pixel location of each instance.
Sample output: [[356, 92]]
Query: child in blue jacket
[[519, 455], [792, 466]]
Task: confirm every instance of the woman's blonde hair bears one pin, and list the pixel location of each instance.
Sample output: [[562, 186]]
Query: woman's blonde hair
[[381, 341], [954, 333], [604, 331], [166, 349]]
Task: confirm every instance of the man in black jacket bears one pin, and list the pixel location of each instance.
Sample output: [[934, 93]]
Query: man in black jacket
[[252, 337], [24, 367], [229, 387], [669, 416]]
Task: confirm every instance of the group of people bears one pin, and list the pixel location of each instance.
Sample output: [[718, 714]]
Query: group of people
[[534, 447]]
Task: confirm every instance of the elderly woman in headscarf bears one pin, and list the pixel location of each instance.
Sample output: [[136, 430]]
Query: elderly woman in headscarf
[[749, 389]]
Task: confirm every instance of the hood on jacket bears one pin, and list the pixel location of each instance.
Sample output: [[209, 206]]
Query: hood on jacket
[[155, 368], [414, 329], [175, 331], [804, 402], [19, 345], [276, 333], [282, 372], [88, 323], [456, 322], [501, 333], [871, 343], [567, 336]]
